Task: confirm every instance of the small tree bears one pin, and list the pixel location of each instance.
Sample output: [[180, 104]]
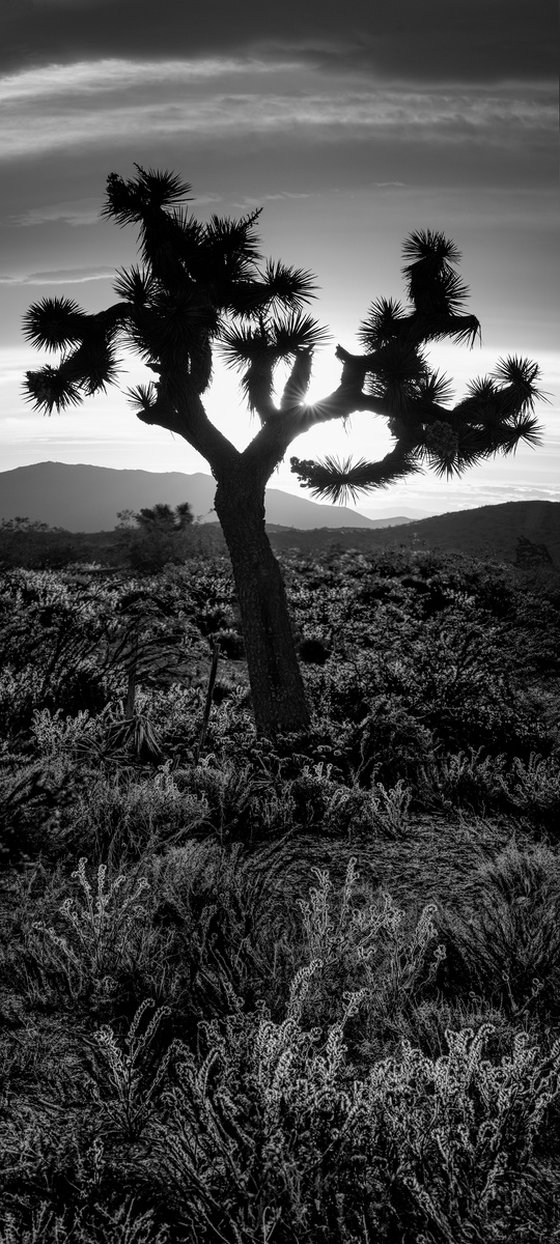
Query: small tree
[[162, 520], [203, 288], [160, 535]]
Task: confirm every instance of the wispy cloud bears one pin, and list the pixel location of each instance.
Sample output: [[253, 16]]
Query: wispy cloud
[[408, 41], [72, 212], [107, 103], [88, 78], [60, 276]]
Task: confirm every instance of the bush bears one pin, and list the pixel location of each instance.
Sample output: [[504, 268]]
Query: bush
[[507, 946], [273, 1131]]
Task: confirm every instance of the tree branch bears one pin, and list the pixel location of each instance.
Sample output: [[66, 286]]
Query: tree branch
[[298, 381], [179, 409], [338, 481]]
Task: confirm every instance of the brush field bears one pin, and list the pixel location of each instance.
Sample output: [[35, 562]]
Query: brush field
[[290, 992]]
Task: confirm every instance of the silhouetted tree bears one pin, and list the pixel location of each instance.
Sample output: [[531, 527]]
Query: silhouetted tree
[[162, 519], [204, 287], [160, 535], [23, 525]]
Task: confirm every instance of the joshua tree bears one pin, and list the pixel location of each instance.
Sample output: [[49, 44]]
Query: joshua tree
[[162, 519], [204, 288]]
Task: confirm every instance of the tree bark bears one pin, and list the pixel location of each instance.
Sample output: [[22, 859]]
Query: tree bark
[[277, 689]]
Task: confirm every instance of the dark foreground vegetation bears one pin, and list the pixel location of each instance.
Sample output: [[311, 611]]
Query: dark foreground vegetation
[[276, 993]]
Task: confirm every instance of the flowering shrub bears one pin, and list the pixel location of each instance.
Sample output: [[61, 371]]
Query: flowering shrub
[[197, 1045], [507, 944], [98, 931], [273, 1133]]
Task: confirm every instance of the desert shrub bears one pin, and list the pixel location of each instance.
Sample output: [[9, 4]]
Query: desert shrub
[[117, 1224], [34, 798], [387, 809], [96, 943], [49, 661], [21, 692], [317, 799], [57, 737], [535, 788], [150, 553], [360, 940], [466, 779], [231, 928], [61, 1182], [274, 1132], [322, 802], [128, 1081], [232, 794], [506, 946], [73, 647], [176, 711], [389, 744], [337, 1077]]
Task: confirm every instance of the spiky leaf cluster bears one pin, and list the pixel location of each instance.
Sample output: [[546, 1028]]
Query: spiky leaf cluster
[[342, 480], [202, 286], [199, 285], [128, 201], [54, 324], [257, 350], [437, 298], [398, 374], [495, 416]]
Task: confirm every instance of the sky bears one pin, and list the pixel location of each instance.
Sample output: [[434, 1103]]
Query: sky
[[351, 125]]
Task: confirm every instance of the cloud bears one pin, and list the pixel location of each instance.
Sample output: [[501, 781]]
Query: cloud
[[61, 276], [432, 41], [73, 212], [97, 77], [107, 103]]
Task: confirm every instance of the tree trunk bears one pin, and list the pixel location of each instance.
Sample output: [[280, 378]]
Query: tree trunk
[[277, 689]]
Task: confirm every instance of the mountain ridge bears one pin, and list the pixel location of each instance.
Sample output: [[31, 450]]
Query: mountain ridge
[[489, 531], [50, 492], [85, 498]]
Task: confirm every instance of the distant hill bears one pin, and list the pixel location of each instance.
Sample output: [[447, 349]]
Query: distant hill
[[490, 531], [88, 498]]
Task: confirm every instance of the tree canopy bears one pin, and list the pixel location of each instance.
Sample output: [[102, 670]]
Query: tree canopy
[[203, 289]]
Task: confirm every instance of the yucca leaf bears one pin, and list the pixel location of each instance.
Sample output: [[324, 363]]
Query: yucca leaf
[[234, 243], [143, 398], [93, 366], [295, 332], [520, 375], [48, 389], [54, 323], [161, 187], [430, 244], [244, 344], [135, 285], [341, 480], [384, 321], [396, 373], [463, 329], [287, 285], [435, 387], [523, 427], [129, 201], [122, 201]]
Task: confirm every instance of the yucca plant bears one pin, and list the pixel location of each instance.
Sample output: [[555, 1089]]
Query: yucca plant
[[205, 288]]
